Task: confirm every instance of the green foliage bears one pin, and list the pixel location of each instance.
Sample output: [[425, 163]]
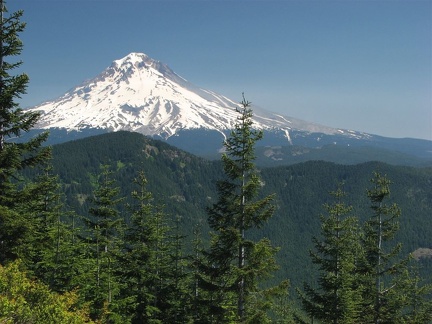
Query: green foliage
[[338, 299], [138, 273], [13, 122], [14, 230], [104, 244], [153, 283], [383, 264], [363, 278], [178, 180], [39, 201], [411, 299], [301, 190], [49, 247], [234, 265], [23, 300]]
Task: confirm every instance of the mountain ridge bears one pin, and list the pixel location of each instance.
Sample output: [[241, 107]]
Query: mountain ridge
[[185, 185], [137, 93], [144, 95]]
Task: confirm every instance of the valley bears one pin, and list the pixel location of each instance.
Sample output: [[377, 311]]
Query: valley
[[186, 184], [139, 197]]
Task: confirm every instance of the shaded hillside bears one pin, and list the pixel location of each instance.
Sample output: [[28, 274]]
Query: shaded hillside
[[179, 180], [274, 151], [185, 184], [302, 189], [271, 156]]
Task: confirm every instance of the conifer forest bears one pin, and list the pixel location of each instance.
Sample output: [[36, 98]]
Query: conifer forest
[[121, 228]]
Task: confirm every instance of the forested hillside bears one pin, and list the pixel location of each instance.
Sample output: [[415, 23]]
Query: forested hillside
[[178, 180], [303, 189], [271, 156], [120, 228], [186, 185]]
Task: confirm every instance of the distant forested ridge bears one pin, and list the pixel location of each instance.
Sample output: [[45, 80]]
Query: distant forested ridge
[[91, 187], [120, 228], [185, 184]]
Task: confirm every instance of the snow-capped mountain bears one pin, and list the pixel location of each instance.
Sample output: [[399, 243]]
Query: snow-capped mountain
[[138, 93]]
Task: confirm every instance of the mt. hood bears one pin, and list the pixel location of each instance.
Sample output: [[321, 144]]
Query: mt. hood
[[140, 94], [137, 93]]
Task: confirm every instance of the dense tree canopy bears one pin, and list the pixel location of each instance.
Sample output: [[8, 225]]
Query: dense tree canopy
[[363, 278], [235, 264], [337, 254], [82, 243]]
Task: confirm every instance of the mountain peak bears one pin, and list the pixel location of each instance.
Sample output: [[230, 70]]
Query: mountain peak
[[139, 61], [141, 94], [134, 59]]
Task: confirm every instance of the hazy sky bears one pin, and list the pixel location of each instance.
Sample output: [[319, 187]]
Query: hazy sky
[[361, 65]]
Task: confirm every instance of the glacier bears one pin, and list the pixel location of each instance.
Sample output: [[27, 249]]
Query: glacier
[[138, 93]]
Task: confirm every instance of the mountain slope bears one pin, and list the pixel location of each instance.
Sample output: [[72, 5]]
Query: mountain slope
[[186, 185], [140, 94]]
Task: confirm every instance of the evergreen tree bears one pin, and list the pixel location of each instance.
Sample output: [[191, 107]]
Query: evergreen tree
[[140, 268], [55, 251], [410, 299], [63, 262], [235, 265], [104, 225], [386, 277], [180, 304], [48, 249], [338, 299], [38, 199], [379, 229], [153, 288], [14, 121], [199, 307]]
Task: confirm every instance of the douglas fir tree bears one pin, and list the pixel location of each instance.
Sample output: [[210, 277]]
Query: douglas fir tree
[[14, 156], [235, 265], [338, 297]]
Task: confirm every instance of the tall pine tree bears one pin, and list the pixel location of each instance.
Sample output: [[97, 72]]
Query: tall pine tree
[[104, 225], [153, 288], [387, 279], [14, 155], [39, 199], [338, 297], [235, 265], [54, 255]]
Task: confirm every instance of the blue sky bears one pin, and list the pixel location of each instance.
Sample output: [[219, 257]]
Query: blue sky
[[361, 65]]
